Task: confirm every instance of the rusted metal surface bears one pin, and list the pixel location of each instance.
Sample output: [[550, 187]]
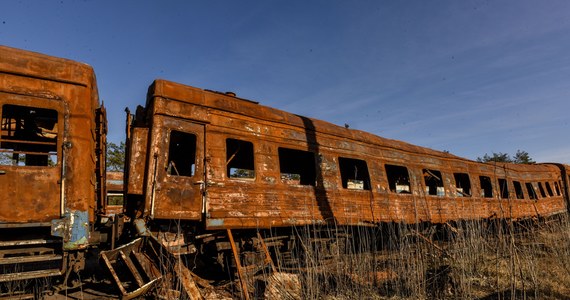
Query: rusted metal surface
[[268, 199], [15, 276], [36, 81], [51, 159], [137, 161], [25, 256], [100, 154], [170, 195], [114, 182]]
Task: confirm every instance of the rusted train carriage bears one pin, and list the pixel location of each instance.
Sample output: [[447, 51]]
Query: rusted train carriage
[[203, 164], [51, 164], [212, 161]]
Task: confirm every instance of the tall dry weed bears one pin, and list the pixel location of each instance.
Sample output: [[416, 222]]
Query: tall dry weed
[[486, 259]]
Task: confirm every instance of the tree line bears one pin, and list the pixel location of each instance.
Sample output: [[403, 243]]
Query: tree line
[[520, 157]]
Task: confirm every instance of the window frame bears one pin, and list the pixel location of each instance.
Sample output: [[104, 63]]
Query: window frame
[[428, 174], [548, 189], [366, 181], [531, 191], [503, 188], [542, 191], [311, 174], [483, 191], [463, 194], [228, 160], [24, 102], [519, 192], [168, 155], [557, 188], [393, 184]]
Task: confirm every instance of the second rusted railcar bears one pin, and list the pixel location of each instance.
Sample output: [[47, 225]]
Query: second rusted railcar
[[214, 161]]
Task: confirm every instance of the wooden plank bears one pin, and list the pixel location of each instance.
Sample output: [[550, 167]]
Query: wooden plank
[[241, 274], [132, 268], [114, 274]]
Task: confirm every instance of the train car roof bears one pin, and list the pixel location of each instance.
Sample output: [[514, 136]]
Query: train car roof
[[37, 65], [229, 102]]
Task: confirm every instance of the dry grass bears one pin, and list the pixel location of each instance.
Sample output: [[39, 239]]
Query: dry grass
[[465, 260], [462, 260]]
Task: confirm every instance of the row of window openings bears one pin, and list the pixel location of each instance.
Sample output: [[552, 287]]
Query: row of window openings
[[298, 167], [487, 188], [399, 182], [29, 138]]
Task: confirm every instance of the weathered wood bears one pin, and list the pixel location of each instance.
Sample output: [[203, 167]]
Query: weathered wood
[[241, 273]]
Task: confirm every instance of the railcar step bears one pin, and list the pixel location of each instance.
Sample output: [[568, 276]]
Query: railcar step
[[29, 259], [26, 251], [15, 296], [28, 242], [29, 275]]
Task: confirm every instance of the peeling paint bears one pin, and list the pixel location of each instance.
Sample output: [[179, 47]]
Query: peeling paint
[[73, 228], [215, 222]]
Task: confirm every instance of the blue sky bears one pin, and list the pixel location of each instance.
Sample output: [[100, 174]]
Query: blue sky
[[470, 77]]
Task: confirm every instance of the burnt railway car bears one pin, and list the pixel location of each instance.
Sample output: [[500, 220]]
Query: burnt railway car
[[202, 166], [52, 163], [203, 163]]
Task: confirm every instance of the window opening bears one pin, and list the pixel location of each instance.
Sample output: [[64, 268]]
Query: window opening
[[114, 190], [462, 184], [518, 190], [541, 189], [504, 189], [530, 190], [297, 166], [548, 189], [181, 154], [398, 179], [29, 136], [115, 199], [354, 174], [239, 159], [557, 188], [433, 182], [486, 186]]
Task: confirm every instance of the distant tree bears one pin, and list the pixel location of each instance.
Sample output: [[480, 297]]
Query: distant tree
[[496, 157], [115, 156], [521, 157], [5, 159]]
